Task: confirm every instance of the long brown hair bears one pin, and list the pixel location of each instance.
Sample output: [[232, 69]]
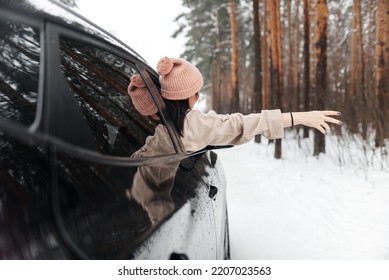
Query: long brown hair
[[177, 110]]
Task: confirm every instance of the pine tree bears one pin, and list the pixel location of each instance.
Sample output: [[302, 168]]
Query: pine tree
[[321, 68]]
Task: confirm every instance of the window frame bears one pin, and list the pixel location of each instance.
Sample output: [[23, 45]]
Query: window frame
[[16, 18], [53, 33]]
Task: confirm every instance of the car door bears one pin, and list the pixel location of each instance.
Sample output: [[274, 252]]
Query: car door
[[98, 130], [27, 229]]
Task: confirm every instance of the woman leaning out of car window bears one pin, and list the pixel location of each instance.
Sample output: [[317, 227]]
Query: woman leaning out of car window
[[180, 85]]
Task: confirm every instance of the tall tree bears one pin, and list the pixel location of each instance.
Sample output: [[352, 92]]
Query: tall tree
[[211, 18], [280, 34], [265, 46], [307, 64], [370, 58], [382, 68], [216, 77], [296, 60], [356, 92], [292, 55], [275, 64], [234, 59], [337, 100], [257, 63], [290, 68], [361, 92], [312, 49], [321, 68]]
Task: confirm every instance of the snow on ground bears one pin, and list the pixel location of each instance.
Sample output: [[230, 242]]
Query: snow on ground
[[305, 207]]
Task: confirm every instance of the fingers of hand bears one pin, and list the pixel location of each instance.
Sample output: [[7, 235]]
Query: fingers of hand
[[319, 120], [331, 113], [332, 120], [320, 128], [325, 126]]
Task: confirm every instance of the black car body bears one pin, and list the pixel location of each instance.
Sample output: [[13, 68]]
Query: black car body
[[67, 133]]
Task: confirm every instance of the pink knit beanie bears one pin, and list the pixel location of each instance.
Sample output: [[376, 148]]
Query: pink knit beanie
[[179, 79], [141, 97]]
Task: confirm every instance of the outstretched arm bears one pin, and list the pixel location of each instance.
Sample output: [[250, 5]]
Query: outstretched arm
[[315, 119]]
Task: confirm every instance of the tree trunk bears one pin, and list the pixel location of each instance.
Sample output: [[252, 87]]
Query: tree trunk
[[274, 64], [361, 88], [369, 60], [321, 69], [289, 85], [353, 124], [307, 64], [353, 53], [216, 93], [234, 59], [336, 57], [257, 100], [312, 49], [265, 46], [280, 52], [382, 70], [356, 93], [296, 77]]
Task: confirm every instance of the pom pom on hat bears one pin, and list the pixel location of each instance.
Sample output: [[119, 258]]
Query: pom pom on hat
[[165, 65], [179, 79], [141, 97], [137, 81]]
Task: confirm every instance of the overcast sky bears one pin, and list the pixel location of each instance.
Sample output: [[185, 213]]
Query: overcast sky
[[145, 25]]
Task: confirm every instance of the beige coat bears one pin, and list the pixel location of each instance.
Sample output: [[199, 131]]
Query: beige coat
[[201, 129], [152, 185]]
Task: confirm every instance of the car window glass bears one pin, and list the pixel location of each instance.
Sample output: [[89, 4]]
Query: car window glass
[[19, 72], [99, 81]]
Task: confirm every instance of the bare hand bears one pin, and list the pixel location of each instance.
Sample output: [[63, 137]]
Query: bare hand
[[317, 119]]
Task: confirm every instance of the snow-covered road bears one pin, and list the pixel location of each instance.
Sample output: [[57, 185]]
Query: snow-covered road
[[304, 207]]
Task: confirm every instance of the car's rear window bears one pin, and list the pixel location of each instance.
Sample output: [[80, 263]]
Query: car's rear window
[[19, 72]]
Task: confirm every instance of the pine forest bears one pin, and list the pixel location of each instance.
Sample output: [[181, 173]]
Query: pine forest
[[296, 55]]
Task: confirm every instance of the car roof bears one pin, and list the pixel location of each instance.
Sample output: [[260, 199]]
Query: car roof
[[61, 14]]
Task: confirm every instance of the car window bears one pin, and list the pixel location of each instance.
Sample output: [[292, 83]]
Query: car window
[[98, 80], [19, 72]]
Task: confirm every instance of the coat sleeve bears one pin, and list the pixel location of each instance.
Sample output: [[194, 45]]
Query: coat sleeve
[[201, 129]]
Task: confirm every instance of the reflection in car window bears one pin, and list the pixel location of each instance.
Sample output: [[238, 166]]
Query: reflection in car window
[[99, 81], [19, 72]]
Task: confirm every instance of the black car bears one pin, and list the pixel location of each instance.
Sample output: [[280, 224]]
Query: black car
[[67, 133]]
